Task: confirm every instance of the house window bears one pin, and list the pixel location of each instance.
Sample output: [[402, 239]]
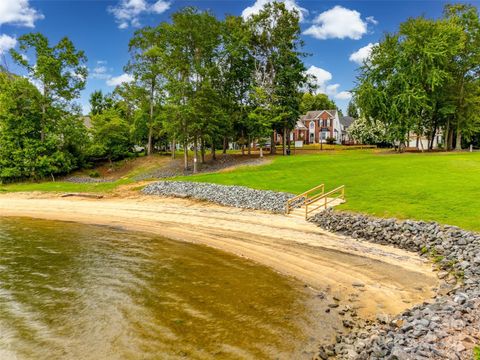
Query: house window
[[324, 135]]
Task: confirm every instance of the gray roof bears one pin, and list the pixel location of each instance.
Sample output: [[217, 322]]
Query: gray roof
[[346, 121], [314, 114], [87, 121], [300, 125]]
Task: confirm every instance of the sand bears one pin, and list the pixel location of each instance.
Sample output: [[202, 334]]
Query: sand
[[373, 278]]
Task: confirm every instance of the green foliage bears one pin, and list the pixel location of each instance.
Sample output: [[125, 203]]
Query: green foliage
[[23, 153], [331, 140], [111, 137], [148, 65], [425, 77], [59, 70], [99, 102], [94, 174], [368, 132], [311, 102], [279, 71], [352, 110]]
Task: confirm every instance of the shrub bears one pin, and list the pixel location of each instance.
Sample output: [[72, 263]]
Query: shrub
[[331, 140], [94, 174]]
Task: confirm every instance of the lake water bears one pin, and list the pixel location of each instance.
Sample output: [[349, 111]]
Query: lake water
[[71, 291]]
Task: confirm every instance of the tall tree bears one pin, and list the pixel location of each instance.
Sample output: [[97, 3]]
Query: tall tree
[[403, 83], [352, 109], [466, 71], [147, 48], [279, 71], [23, 154], [59, 70], [312, 102], [194, 40], [99, 102], [236, 70]]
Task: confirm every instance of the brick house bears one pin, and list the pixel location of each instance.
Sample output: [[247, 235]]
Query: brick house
[[315, 127]]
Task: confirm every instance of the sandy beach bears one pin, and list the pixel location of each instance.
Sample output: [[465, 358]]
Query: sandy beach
[[378, 278]]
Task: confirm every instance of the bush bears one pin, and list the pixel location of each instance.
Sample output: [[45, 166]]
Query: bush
[[94, 174], [331, 140]]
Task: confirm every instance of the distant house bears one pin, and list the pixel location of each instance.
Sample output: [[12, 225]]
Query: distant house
[[316, 127], [87, 121], [422, 142], [346, 121]]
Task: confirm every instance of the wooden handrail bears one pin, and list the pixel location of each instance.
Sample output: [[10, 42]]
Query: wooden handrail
[[303, 195], [317, 197], [340, 189]]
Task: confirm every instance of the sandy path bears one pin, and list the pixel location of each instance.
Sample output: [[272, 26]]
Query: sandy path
[[394, 279]]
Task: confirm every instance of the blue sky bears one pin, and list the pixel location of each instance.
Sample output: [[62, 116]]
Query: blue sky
[[337, 34]]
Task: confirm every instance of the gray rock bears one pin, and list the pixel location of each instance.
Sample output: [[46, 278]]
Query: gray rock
[[228, 195], [429, 330]]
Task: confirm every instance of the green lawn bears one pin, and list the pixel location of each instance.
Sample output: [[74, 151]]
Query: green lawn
[[437, 186], [63, 186]]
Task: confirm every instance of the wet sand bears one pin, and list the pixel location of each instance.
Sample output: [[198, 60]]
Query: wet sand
[[373, 278]]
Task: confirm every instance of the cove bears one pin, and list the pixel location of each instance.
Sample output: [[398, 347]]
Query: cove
[[73, 291]]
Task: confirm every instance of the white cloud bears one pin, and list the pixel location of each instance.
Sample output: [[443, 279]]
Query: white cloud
[[160, 7], [100, 71], [259, 4], [118, 80], [127, 12], [362, 54], [18, 12], [371, 20], [343, 95], [338, 23], [320, 77], [332, 89], [6, 43]]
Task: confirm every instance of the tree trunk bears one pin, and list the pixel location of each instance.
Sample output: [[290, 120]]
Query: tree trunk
[[42, 123], [214, 152], [450, 140], [261, 151], [202, 149], [195, 155], [432, 140], [272, 143], [447, 135], [174, 148], [284, 140], [185, 156], [225, 144], [458, 145], [249, 146], [150, 123]]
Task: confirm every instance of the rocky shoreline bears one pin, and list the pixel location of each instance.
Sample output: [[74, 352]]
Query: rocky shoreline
[[448, 326], [228, 195], [445, 327]]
